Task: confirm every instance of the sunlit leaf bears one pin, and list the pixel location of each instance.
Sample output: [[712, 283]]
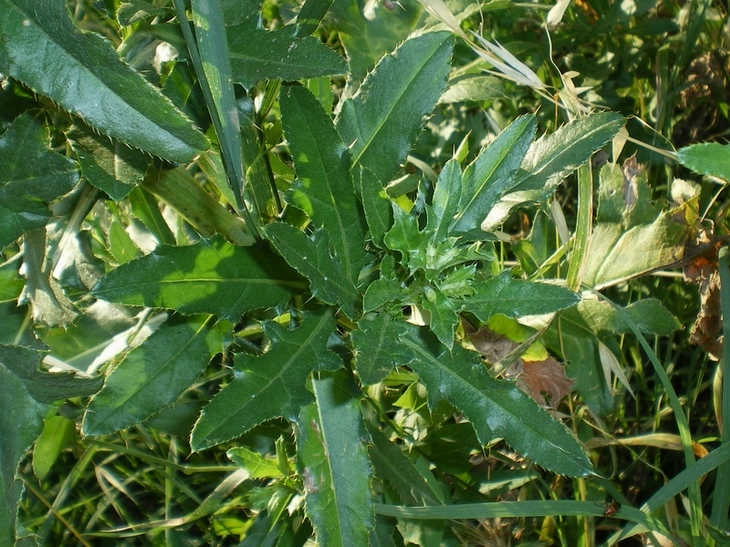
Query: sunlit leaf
[[153, 375], [707, 158], [270, 385], [378, 348], [212, 276], [334, 465]]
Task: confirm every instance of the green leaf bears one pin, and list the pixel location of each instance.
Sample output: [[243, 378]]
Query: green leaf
[[45, 387], [377, 206], [631, 236], [442, 315], [21, 421], [649, 315], [108, 165], [311, 15], [407, 239], [324, 187], [496, 408], [491, 175], [211, 276], [517, 297], [377, 347], [31, 176], [382, 120], [153, 375], [707, 158], [311, 257], [333, 460], [553, 157], [270, 385], [82, 73], [258, 466], [445, 202], [280, 54]]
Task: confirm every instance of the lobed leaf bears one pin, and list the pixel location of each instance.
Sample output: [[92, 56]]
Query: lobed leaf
[[153, 375], [496, 408], [211, 276], [82, 73], [270, 385], [324, 188], [381, 121], [377, 347], [333, 461]]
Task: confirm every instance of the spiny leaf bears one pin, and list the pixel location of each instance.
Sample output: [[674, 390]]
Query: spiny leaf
[[82, 73], [31, 176], [334, 465], [311, 257], [381, 122], [324, 187], [377, 347], [211, 276], [517, 297], [153, 375], [271, 385], [496, 408]]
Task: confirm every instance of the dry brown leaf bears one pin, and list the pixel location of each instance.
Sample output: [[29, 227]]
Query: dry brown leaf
[[494, 347], [544, 381]]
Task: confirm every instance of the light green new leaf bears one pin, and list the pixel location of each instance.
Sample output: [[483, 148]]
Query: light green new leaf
[[270, 385], [280, 54], [154, 374], [258, 466], [442, 315], [31, 176], [631, 236], [334, 465], [324, 188], [377, 347], [21, 421], [496, 408], [211, 276], [517, 297], [707, 158], [311, 257], [553, 157], [407, 239], [108, 165], [491, 175], [82, 73], [381, 121]]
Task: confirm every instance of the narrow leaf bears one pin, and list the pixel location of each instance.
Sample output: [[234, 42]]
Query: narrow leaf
[[331, 442], [281, 54], [491, 175], [311, 14], [82, 73], [381, 122], [268, 386], [517, 297], [377, 207], [311, 257], [324, 187], [212, 276], [552, 158], [497, 408], [153, 375], [31, 176]]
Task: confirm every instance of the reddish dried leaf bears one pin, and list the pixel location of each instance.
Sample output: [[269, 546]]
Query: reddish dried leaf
[[544, 381], [494, 347]]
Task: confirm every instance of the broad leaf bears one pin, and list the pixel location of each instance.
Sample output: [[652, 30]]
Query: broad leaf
[[270, 385], [631, 236], [377, 347], [212, 276], [490, 176], [153, 375], [311, 15], [280, 54], [109, 165], [553, 157], [21, 421], [649, 315], [324, 187], [311, 257], [381, 121], [31, 176], [333, 460], [496, 408], [83, 74], [517, 297]]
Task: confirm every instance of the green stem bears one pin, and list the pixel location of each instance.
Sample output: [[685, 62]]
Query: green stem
[[583, 228]]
